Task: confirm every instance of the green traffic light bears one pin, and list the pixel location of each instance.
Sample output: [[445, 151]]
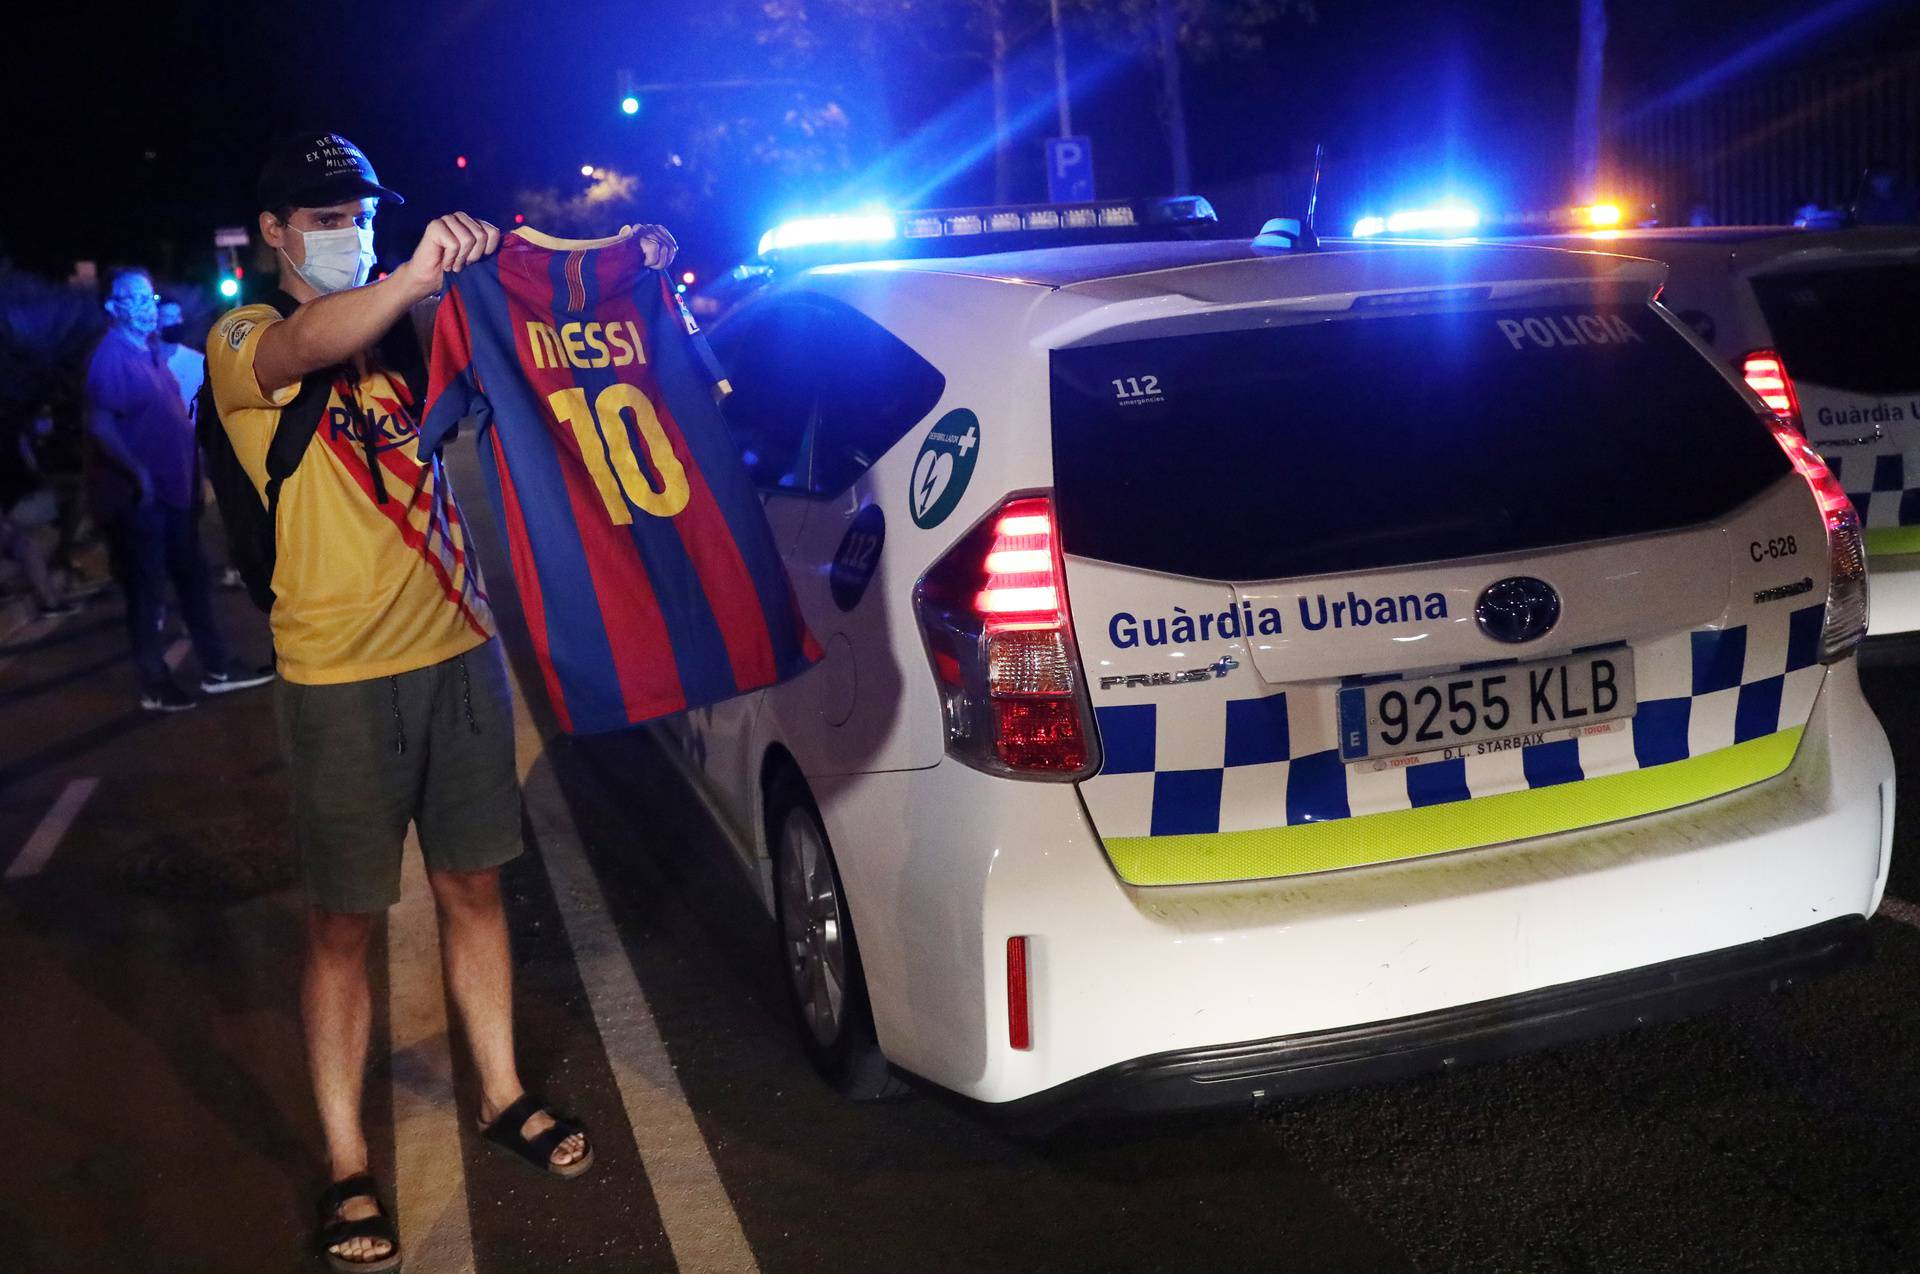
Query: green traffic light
[[229, 287], [630, 105]]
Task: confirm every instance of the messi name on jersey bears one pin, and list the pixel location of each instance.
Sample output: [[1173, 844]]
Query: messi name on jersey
[[584, 345], [648, 573]]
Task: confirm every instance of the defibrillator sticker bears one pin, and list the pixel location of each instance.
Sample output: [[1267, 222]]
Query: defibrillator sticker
[[944, 467]]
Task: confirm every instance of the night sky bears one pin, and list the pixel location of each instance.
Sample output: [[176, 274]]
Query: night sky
[[132, 137]]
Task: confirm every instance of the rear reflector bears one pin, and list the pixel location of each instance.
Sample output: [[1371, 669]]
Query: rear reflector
[[1019, 1024], [1766, 374]]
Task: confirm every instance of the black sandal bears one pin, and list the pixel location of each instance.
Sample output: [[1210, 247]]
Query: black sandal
[[538, 1151], [334, 1231]]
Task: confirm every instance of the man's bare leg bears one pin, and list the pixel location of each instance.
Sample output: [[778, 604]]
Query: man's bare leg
[[337, 1008], [479, 972]]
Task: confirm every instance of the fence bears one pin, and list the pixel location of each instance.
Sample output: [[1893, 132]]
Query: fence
[[1755, 152]]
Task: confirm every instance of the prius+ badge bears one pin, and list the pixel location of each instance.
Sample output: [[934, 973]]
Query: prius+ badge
[[1518, 608], [1218, 668]]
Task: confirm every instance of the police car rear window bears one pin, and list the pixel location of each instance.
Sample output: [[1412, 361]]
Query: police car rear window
[[1372, 442], [1854, 329]]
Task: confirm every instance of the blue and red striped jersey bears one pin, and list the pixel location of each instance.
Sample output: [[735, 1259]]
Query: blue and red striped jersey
[[646, 568]]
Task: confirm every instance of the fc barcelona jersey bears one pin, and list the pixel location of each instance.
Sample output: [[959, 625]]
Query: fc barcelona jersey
[[646, 568]]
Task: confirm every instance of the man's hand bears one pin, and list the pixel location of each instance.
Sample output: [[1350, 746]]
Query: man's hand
[[334, 328], [656, 245], [450, 244]]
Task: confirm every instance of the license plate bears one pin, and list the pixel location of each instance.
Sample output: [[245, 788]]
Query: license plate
[[1487, 709]]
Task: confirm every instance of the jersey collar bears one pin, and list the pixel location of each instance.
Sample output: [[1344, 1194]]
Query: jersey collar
[[552, 244]]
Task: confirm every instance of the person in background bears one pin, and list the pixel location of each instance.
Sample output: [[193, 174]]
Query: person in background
[[189, 368], [58, 443], [1883, 199], [141, 479], [28, 512], [188, 365]]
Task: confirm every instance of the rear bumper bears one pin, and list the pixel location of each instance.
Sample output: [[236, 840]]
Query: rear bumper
[[942, 866], [1245, 1073]]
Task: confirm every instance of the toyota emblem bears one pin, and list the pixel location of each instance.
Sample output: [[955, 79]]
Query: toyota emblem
[[1517, 609]]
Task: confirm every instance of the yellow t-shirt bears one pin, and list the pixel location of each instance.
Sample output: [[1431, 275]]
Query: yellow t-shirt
[[361, 589]]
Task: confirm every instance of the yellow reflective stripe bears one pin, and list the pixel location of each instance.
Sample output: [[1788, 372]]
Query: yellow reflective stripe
[[1887, 540], [1437, 829]]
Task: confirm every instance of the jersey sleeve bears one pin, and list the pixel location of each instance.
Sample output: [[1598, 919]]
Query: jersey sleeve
[[231, 348], [710, 365], [452, 395]]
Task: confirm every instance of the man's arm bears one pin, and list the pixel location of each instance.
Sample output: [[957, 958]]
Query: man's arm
[[332, 329], [105, 430]]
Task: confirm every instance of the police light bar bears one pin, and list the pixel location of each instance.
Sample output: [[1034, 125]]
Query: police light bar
[[1445, 220], [973, 221], [1603, 219], [966, 231], [803, 232]]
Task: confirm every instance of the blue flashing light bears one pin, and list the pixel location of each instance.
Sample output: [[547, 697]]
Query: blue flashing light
[[630, 105], [1443, 220], [870, 227], [229, 287]]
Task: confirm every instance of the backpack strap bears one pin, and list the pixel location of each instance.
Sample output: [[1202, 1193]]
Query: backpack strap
[[298, 419]]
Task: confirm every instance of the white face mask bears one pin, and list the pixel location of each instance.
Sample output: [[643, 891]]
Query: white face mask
[[336, 259]]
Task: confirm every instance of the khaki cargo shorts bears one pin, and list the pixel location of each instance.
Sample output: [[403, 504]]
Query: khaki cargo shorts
[[432, 747]]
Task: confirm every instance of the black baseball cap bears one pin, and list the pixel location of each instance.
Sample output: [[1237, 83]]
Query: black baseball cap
[[317, 170]]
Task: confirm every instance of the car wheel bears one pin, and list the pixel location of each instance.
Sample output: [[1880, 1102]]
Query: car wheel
[[826, 987]]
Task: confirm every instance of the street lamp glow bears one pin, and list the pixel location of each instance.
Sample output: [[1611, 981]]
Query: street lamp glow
[[630, 105]]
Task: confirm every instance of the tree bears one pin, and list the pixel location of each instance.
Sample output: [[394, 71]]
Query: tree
[[601, 209], [1166, 32], [975, 29], [1588, 82]]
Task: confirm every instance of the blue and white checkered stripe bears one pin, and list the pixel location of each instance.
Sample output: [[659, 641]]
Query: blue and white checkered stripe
[[1878, 486], [1179, 766]]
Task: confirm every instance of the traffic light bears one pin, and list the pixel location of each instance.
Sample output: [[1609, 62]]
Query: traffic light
[[229, 286], [630, 105], [629, 90]]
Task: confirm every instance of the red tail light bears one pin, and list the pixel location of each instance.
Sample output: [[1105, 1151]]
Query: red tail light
[[994, 611], [1847, 601], [1766, 374]]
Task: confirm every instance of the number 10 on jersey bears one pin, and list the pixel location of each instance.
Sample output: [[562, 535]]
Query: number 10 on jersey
[[601, 432]]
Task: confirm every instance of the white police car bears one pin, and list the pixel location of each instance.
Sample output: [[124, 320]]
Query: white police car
[[1250, 671], [1824, 325]]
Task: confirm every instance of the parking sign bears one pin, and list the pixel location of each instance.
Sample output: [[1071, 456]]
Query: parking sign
[[1069, 169]]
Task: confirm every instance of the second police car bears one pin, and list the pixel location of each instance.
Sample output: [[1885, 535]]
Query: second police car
[[1250, 670], [1824, 325]]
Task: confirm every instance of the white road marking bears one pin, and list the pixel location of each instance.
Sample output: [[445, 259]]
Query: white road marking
[[1901, 910], [53, 828], [701, 1225], [430, 1179]]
